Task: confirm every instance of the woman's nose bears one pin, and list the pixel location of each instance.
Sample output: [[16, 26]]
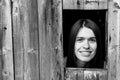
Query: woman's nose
[[86, 44]]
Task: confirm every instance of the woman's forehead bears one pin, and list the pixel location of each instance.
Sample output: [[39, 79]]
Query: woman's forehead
[[85, 32]]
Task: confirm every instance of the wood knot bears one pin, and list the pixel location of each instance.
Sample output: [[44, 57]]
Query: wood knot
[[116, 5], [78, 2], [5, 28], [6, 73]]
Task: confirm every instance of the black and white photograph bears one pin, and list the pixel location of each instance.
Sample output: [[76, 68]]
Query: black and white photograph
[[59, 39]]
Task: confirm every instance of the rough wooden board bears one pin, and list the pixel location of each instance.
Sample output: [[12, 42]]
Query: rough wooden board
[[31, 57], [50, 38], [103, 4], [17, 41], [95, 75], [113, 40], [118, 55], [25, 35], [85, 74], [6, 57], [73, 4], [74, 74], [85, 4], [91, 4], [116, 36]]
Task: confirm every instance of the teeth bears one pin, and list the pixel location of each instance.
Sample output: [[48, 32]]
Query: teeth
[[86, 51]]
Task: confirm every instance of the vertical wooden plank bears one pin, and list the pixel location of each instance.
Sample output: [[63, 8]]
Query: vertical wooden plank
[[45, 62], [116, 13], [6, 57], [118, 54], [1, 40], [113, 39], [50, 38], [17, 41], [25, 33], [30, 36]]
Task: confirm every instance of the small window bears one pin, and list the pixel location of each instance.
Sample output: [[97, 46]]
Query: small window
[[84, 33]]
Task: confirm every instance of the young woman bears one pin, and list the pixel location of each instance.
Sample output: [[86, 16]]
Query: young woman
[[85, 50]]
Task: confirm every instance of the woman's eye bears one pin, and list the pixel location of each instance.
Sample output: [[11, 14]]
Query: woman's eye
[[92, 39], [80, 39]]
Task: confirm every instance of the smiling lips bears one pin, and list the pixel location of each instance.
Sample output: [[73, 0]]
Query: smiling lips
[[85, 53]]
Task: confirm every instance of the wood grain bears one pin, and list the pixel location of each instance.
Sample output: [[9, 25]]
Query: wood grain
[[6, 52], [73, 4], [86, 74], [95, 74], [50, 38], [85, 4], [113, 40], [25, 35], [74, 74]]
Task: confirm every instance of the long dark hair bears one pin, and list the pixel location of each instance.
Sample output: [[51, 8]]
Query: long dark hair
[[97, 61]]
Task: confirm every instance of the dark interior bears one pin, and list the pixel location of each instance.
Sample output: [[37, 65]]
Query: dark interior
[[71, 16]]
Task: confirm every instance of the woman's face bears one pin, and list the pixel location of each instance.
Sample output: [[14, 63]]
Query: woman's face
[[85, 44]]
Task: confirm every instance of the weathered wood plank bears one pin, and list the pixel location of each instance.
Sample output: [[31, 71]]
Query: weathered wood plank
[[114, 40], [103, 4], [25, 33], [6, 57], [74, 74], [1, 40], [85, 74], [17, 41], [95, 74], [85, 4], [91, 4], [73, 4], [50, 38], [31, 56]]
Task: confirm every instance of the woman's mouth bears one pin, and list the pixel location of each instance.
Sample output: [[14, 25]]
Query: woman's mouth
[[85, 53]]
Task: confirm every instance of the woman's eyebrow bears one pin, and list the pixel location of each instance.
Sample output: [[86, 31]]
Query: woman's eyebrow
[[93, 37], [80, 37]]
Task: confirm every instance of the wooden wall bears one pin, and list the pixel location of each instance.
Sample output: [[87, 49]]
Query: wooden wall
[[6, 45], [114, 40], [31, 42]]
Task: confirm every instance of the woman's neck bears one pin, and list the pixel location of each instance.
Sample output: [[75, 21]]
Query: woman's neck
[[80, 64]]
